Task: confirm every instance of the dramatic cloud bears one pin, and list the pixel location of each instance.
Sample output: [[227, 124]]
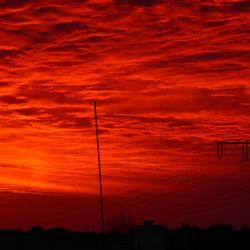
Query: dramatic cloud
[[170, 79]]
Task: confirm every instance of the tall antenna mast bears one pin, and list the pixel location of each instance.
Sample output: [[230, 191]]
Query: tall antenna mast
[[99, 167]]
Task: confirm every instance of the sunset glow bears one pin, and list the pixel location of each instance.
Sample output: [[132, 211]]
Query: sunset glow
[[170, 79]]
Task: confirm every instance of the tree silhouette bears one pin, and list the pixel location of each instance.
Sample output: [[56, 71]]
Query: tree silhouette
[[120, 223]]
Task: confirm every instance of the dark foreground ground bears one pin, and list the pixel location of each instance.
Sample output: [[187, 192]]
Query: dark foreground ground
[[185, 238]]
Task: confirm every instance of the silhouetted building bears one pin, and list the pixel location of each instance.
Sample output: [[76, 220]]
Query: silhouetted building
[[149, 236]]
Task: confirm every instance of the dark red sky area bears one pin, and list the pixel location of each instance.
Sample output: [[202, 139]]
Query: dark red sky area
[[170, 79]]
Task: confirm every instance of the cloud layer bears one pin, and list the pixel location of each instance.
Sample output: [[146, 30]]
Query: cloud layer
[[170, 79]]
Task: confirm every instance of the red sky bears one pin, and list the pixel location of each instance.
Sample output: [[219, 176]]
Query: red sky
[[170, 79]]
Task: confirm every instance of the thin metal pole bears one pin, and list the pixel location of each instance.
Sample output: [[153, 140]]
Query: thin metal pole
[[243, 151], [247, 150], [220, 150], [99, 166]]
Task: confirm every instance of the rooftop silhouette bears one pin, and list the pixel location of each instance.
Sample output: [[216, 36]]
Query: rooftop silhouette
[[218, 236]]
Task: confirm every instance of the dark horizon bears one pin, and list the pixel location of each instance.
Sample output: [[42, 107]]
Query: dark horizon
[[187, 237], [40, 228]]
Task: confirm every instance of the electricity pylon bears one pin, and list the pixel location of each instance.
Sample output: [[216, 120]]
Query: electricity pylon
[[244, 148]]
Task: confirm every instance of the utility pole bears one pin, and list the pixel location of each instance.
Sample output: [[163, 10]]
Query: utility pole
[[99, 167], [244, 148]]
